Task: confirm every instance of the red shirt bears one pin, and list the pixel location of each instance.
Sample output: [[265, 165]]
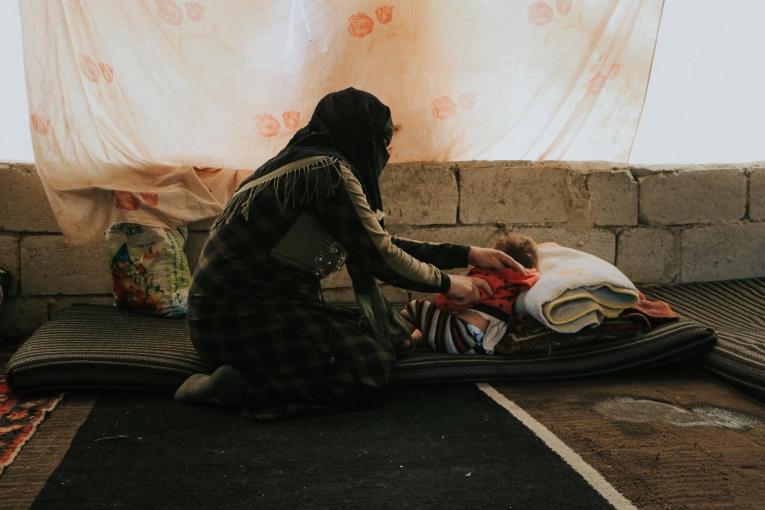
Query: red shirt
[[506, 284]]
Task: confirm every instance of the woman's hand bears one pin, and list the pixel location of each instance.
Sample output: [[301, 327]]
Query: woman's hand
[[465, 290], [489, 258]]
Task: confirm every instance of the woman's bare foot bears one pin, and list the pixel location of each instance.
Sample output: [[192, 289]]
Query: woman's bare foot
[[224, 386], [406, 315]]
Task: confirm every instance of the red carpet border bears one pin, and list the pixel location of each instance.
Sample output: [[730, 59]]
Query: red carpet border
[[19, 419]]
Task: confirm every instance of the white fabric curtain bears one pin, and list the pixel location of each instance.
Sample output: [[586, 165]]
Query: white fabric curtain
[[142, 110]]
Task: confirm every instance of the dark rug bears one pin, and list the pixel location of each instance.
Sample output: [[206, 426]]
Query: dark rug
[[673, 438], [445, 446]]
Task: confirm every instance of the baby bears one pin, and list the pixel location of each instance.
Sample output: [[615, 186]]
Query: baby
[[455, 329]]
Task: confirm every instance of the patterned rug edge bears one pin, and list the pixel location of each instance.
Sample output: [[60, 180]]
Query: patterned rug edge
[[7, 458]]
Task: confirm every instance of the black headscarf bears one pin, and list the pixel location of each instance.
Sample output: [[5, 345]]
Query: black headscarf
[[355, 126], [350, 124]]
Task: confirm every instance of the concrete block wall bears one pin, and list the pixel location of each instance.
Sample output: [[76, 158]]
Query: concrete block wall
[[657, 224]]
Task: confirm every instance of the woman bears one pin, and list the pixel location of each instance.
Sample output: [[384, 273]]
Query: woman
[[255, 305]]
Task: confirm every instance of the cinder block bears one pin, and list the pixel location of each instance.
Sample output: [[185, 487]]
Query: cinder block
[[613, 198], [193, 248], [471, 235], [513, 193], [9, 259], [598, 242], [23, 205], [757, 194], [723, 252], [647, 255], [49, 266], [419, 194], [421, 295], [338, 279], [20, 316], [394, 295], [704, 195], [342, 296], [57, 304]]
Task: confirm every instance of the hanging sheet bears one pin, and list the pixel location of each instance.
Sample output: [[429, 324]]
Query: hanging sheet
[[142, 110]]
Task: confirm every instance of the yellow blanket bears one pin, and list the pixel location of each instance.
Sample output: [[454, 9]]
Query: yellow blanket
[[575, 290]]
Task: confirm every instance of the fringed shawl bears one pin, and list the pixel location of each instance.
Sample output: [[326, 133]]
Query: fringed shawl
[[352, 128], [285, 180]]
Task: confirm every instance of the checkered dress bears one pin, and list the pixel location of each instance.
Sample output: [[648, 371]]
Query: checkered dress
[[265, 317]]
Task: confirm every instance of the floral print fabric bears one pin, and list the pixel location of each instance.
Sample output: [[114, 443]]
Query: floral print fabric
[[150, 271], [153, 111]]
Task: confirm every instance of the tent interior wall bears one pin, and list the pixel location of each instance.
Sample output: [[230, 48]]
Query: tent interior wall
[[657, 224]]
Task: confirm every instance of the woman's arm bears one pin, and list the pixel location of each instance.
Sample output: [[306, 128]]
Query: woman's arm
[[441, 255], [347, 216]]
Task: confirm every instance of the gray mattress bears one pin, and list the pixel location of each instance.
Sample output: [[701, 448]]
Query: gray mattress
[[94, 346], [735, 310]]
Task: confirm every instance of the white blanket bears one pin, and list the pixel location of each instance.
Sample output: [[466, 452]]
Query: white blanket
[[575, 290]]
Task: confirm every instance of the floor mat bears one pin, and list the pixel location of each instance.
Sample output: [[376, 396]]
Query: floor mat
[[443, 446], [735, 310], [672, 438], [101, 347]]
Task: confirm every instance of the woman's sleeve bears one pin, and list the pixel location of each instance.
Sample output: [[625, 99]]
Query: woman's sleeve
[[346, 214], [441, 255]]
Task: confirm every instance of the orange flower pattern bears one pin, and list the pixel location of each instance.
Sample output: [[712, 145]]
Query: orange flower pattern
[[266, 125], [467, 101], [106, 72], [384, 14], [291, 120], [150, 198], [40, 124], [194, 11], [89, 68], [540, 13], [444, 107], [360, 25], [564, 6], [125, 200], [169, 11]]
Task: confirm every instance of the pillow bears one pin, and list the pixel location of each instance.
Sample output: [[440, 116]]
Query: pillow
[[150, 271]]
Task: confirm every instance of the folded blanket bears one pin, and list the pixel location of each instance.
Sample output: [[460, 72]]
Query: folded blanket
[[575, 290]]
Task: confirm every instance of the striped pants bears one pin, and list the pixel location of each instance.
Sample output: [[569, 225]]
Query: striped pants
[[443, 330]]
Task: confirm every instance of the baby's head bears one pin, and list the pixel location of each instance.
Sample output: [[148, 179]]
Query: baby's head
[[521, 248]]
